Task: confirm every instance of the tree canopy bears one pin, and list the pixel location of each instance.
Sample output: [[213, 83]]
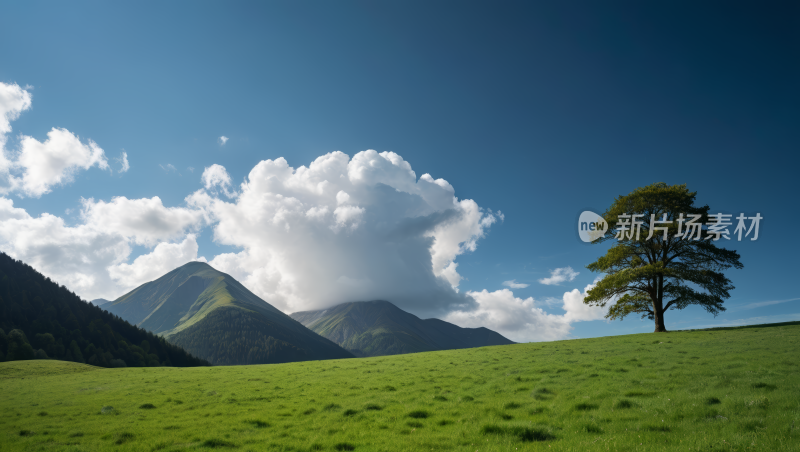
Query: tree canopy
[[664, 264]]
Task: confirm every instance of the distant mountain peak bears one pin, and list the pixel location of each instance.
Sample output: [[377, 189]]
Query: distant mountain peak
[[378, 327]]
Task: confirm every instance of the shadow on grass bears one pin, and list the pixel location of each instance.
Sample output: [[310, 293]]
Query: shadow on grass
[[639, 394], [586, 406], [524, 434], [623, 404], [123, 437], [257, 423], [591, 428], [543, 394], [217, 443]]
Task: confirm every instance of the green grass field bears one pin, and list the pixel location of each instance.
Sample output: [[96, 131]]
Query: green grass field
[[716, 390]]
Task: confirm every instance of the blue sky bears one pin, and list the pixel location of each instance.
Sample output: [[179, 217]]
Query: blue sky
[[535, 111]]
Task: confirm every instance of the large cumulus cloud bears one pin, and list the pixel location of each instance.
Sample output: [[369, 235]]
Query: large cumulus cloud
[[345, 229]]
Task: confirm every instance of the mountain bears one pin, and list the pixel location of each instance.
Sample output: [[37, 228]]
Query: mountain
[[213, 316], [375, 328], [99, 301], [41, 319]]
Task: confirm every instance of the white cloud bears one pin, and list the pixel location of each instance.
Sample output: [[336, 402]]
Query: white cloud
[[577, 311], [90, 258], [517, 319], [216, 177], [74, 256], [346, 229], [514, 284], [222, 140], [348, 216], [169, 167], [559, 275], [38, 166], [55, 161], [144, 221], [523, 320], [13, 101], [123, 160]]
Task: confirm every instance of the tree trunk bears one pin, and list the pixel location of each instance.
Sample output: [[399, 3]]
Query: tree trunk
[[659, 317], [658, 306]]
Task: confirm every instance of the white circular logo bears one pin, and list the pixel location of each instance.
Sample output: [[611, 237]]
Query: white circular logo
[[591, 226]]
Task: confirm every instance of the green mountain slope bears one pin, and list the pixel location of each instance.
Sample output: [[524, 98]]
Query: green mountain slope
[[375, 328], [41, 319], [215, 317]]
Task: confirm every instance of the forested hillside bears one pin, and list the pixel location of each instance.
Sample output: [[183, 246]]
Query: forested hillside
[[41, 319]]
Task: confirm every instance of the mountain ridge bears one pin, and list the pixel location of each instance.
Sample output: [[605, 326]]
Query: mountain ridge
[[378, 327]]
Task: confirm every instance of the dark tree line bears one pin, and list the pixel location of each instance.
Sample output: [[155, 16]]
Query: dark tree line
[[40, 319]]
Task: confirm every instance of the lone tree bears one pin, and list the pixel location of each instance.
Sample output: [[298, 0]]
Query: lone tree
[[649, 270]]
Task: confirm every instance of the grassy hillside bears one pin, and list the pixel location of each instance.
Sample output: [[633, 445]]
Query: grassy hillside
[[720, 390], [41, 368], [215, 317], [376, 328]]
